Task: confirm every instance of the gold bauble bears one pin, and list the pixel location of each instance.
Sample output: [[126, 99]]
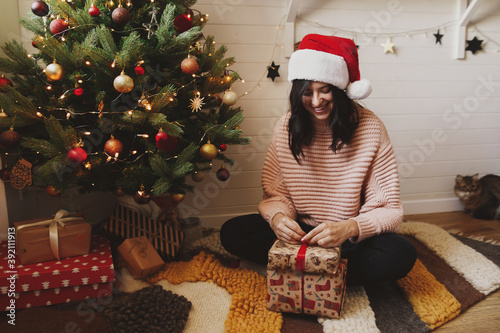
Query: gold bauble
[[208, 151], [198, 176], [177, 197], [54, 71], [189, 66], [123, 83], [51, 190], [230, 98]]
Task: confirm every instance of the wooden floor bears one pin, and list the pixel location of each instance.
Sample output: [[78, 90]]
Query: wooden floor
[[484, 316]]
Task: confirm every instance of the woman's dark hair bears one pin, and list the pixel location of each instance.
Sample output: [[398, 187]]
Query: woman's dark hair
[[344, 119]]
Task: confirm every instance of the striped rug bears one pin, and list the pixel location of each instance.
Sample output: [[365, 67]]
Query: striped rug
[[452, 274]]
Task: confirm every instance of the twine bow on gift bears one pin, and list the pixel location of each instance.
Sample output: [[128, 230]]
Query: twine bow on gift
[[59, 219], [143, 253]]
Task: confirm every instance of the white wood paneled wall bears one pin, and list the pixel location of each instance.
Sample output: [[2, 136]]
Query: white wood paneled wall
[[443, 114]]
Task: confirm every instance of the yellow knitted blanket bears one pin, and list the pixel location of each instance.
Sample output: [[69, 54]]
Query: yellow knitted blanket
[[248, 312]]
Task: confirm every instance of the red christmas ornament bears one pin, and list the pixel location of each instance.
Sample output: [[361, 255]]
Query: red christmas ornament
[[57, 26], [139, 70], [222, 147], [94, 11], [9, 139], [120, 16], [222, 174], [33, 43], [79, 91], [5, 174], [76, 156], [189, 66], [166, 143], [4, 81], [40, 8], [183, 23]]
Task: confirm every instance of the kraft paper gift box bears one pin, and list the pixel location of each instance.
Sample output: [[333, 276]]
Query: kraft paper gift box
[[53, 282], [305, 279], [126, 223], [62, 236], [140, 257]]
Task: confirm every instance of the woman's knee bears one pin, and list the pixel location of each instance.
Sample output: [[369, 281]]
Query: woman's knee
[[389, 257], [402, 255]]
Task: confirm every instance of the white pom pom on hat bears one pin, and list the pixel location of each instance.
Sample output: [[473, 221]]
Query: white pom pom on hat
[[332, 60]]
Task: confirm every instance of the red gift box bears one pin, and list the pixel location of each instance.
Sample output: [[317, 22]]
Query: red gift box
[[53, 282], [302, 281]]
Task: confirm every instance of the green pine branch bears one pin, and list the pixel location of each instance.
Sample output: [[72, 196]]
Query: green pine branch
[[165, 32], [53, 49], [63, 138], [63, 9], [33, 24], [20, 63], [44, 147], [81, 50], [16, 103], [163, 98], [130, 51], [100, 60], [47, 172], [107, 42], [185, 39], [159, 120]]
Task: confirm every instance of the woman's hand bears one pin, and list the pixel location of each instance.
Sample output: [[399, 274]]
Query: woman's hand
[[287, 229], [332, 234]]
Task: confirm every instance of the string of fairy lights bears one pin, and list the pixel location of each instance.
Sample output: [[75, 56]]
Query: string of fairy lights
[[369, 37]]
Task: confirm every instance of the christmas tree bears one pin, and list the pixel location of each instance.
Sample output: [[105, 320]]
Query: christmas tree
[[126, 96]]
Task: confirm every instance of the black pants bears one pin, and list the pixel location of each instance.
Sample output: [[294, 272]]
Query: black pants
[[385, 257]]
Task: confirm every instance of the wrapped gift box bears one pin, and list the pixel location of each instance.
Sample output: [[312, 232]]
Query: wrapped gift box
[[305, 279], [140, 257], [47, 239], [52, 282], [127, 223]]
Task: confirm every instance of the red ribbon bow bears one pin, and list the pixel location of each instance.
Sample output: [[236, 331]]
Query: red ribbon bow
[[300, 265]]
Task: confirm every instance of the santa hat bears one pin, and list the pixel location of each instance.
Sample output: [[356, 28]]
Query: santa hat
[[332, 60]]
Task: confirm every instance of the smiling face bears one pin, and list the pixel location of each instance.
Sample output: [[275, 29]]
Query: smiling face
[[318, 100]]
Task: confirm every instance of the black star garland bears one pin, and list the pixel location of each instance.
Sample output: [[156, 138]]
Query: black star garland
[[474, 45], [272, 71], [438, 37]]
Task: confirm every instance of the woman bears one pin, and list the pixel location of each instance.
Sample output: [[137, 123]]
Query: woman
[[330, 175]]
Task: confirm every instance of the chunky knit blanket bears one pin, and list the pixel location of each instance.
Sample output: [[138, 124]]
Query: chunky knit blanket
[[204, 294], [452, 274]]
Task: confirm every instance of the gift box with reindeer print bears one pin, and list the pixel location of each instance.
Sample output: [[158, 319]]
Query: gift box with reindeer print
[[305, 279]]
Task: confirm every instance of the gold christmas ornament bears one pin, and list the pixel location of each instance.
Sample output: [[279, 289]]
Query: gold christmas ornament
[[113, 147], [208, 151], [198, 176], [51, 190], [177, 197], [54, 71], [189, 66], [123, 83], [230, 98], [142, 196]]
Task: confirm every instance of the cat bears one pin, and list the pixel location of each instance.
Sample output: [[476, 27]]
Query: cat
[[479, 196]]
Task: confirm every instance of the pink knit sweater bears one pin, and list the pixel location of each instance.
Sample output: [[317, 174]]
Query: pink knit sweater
[[358, 182]]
